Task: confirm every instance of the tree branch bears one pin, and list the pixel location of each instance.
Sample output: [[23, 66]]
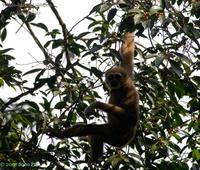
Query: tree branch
[[13, 100], [38, 42], [64, 30]]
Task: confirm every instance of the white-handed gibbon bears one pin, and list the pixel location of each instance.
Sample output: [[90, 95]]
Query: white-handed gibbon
[[122, 109]]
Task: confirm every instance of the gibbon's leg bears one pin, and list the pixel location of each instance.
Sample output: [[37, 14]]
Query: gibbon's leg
[[102, 130], [96, 148], [105, 132]]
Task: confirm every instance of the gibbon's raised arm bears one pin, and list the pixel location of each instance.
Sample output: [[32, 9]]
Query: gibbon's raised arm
[[122, 109], [127, 52]]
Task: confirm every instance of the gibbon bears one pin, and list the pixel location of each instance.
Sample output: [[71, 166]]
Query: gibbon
[[122, 109]]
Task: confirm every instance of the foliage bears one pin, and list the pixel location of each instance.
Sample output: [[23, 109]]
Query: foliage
[[167, 63]]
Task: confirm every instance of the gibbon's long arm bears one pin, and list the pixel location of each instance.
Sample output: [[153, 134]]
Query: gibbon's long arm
[[127, 52]]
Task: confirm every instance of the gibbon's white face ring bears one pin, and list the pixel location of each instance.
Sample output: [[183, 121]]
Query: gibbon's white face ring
[[113, 80]]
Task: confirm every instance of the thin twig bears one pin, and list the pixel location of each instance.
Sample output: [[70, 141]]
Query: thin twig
[[78, 22], [38, 42], [64, 30]]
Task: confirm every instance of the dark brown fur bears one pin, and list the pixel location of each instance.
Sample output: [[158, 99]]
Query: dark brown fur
[[122, 108]]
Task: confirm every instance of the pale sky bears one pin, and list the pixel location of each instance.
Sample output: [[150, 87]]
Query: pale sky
[[25, 49]]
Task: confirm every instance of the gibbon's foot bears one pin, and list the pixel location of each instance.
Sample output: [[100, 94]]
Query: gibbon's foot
[[51, 132], [75, 130]]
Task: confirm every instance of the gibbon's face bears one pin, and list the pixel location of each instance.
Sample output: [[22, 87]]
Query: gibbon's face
[[115, 78]]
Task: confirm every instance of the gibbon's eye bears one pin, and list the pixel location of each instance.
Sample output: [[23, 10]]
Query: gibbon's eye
[[116, 76]]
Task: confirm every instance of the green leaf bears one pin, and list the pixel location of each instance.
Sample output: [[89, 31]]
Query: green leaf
[[5, 50], [33, 104], [1, 82], [60, 105], [76, 152], [41, 25], [51, 81], [30, 17], [95, 48], [176, 67], [196, 79], [115, 54], [95, 9], [57, 43], [47, 43], [194, 106], [162, 4], [158, 61], [32, 71], [46, 105], [174, 147], [179, 2], [154, 32], [54, 33], [96, 72], [196, 154], [82, 35], [173, 2], [175, 135], [111, 14], [3, 34], [178, 119], [94, 24], [22, 17]]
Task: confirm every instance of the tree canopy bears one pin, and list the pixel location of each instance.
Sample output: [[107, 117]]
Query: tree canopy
[[69, 76]]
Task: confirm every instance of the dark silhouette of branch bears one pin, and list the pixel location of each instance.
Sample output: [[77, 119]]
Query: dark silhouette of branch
[[30, 91], [64, 30]]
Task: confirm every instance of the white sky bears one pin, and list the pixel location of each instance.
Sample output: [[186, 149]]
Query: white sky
[[25, 49]]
